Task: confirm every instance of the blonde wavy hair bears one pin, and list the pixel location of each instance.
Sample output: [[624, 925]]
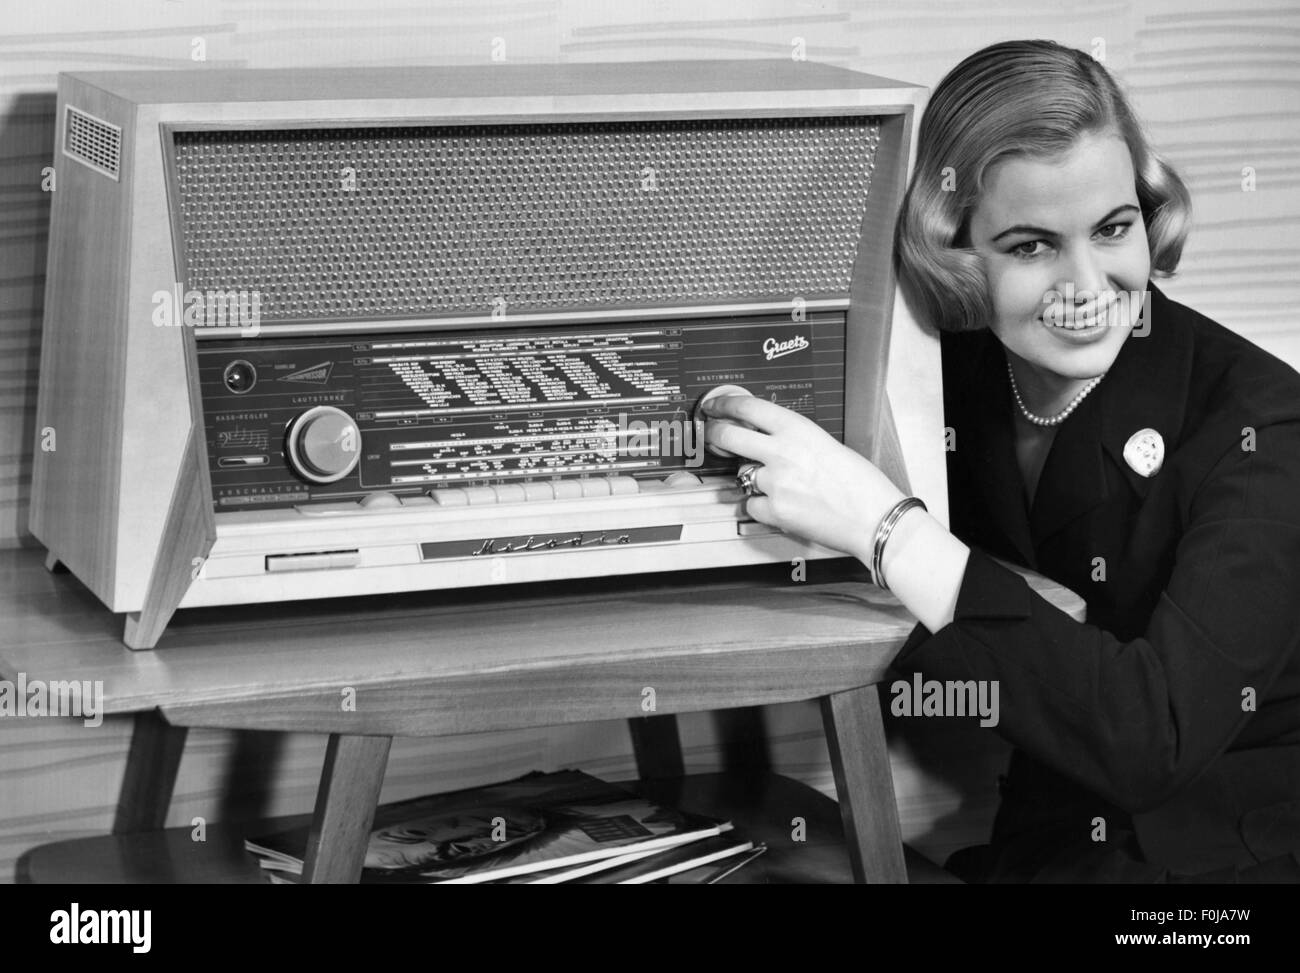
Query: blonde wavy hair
[[1034, 99]]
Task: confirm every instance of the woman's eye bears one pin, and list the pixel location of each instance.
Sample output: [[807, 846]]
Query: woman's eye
[[1026, 249], [1030, 248]]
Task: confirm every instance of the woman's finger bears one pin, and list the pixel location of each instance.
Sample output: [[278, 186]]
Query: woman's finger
[[762, 415], [758, 446], [760, 509]]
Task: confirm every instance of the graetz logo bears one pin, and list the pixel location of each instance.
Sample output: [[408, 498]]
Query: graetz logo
[[315, 375], [779, 349]]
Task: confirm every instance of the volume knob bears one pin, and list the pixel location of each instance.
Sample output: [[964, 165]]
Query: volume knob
[[323, 444]]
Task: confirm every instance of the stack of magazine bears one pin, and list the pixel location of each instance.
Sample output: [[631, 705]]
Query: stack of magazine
[[539, 829]]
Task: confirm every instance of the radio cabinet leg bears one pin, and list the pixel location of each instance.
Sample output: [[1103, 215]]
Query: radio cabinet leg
[[53, 564], [350, 783], [188, 535], [864, 782], [151, 766], [136, 634]]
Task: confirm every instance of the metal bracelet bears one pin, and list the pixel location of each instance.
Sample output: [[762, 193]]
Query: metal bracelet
[[882, 535]]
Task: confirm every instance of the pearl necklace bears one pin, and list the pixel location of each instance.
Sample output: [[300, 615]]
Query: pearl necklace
[[1061, 416]]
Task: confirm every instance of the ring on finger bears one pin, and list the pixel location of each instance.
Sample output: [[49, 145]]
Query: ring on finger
[[747, 477]]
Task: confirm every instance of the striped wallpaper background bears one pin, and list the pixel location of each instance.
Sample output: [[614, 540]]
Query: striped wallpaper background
[[1217, 85]]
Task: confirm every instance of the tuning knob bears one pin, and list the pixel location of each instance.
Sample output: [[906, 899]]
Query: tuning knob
[[701, 417], [323, 445]]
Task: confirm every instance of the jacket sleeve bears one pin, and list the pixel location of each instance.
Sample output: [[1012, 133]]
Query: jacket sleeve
[[1134, 721]]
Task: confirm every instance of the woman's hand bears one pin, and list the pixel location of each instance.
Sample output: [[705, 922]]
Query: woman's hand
[[816, 488], [824, 492]]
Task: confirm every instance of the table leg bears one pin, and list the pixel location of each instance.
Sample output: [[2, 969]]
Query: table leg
[[743, 734], [864, 782], [345, 808], [150, 777], [657, 745]]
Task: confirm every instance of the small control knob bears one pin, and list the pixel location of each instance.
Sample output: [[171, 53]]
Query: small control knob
[[323, 444], [700, 415], [240, 376]]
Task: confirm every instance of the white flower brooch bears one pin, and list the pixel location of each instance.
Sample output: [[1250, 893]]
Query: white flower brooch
[[1145, 452]]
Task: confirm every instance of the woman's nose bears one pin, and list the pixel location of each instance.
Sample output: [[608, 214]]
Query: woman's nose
[[1083, 278]]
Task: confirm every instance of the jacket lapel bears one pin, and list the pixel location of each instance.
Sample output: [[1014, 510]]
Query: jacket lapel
[[1153, 378], [988, 449]]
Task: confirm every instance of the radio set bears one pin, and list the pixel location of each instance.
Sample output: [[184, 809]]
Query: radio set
[[315, 333]]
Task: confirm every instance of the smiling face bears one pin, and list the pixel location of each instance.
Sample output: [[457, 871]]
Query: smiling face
[[1065, 227]]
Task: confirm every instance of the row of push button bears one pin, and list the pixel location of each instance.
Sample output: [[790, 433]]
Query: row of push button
[[596, 486], [602, 486]]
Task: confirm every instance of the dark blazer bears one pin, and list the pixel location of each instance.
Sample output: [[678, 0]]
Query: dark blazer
[[1173, 713]]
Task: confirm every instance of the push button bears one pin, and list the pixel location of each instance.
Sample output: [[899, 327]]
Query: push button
[[510, 493], [682, 480], [323, 561], [381, 500], [450, 497], [540, 490]]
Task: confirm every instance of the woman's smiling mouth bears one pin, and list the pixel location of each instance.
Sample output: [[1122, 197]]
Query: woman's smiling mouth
[[1091, 318]]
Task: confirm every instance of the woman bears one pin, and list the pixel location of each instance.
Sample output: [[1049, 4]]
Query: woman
[[1107, 437]]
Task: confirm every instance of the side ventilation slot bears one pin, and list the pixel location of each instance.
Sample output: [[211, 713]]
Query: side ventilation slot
[[92, 141]]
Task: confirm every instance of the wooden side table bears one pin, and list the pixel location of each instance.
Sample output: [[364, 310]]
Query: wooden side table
[[439, 663]]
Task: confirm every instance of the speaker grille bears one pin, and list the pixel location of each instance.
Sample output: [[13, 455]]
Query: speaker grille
[[408, 222], [92, 141]]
